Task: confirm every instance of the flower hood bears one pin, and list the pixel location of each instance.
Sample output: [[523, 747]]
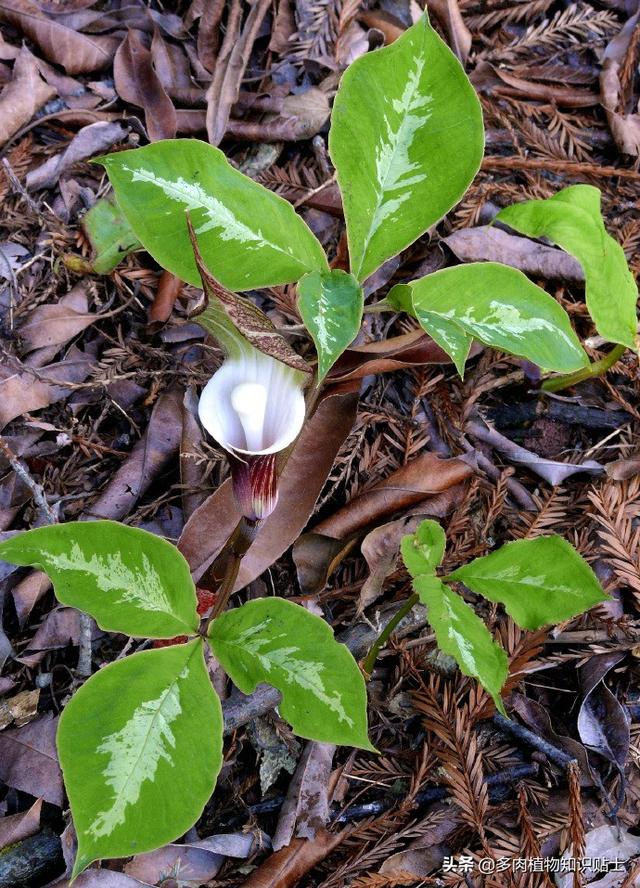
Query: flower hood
[[253, 404]]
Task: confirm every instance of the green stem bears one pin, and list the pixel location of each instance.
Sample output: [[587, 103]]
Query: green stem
[[597, 368], [384, 636], [234, 550]]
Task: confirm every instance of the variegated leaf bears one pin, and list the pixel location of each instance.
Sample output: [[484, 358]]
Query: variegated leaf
[[539, 581], [423, 550], [140, 746], [330, 304], [249, 236], [131, 581], [573, 220], [406, 140], [461, 633], [275, 641], [499, 306]]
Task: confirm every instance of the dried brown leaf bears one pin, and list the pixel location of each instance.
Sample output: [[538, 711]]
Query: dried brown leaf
[[137, 83], [29, 762], [23, 96], [77, 53]]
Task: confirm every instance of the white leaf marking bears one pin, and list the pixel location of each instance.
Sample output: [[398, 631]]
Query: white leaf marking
[[135, 751], [143, 588]]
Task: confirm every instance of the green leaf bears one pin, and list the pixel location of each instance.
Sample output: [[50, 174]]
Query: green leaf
[[572, 219], [539, 581], [249, 237], [450, 337], [461, 633], [110, 235], [423, 550], [406, 139], [501, 307], [131, 581], [275, 641], [140, 746], [331, 305]]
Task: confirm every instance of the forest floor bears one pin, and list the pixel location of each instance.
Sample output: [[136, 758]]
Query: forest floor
[[99, 375]]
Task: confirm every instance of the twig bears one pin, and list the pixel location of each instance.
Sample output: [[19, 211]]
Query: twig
[[49, 515], [524, 735], [19, 188]]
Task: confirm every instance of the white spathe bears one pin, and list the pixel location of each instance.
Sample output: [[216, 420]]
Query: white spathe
[[253, 404]]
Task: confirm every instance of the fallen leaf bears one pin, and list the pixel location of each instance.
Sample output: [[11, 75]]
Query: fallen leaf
[[138, 84], [426, 852], [148, 458], [412, 349], [603, 723], [29, 762], [20, 708], [100, 878], [192, 467], [316, 557], [230, 66], [381, 549], [19, 826], [28, 592], [300, 484], [550, 470], [305, 809], [286, 867], [603, 842], [23, 96], [23, 391], [91, 140], [195, 862], [60, 627], [494, 80], [303, 115], [56, 324], [383, 22], [490, 244], [413, 483], [625, 128], [623, 469], [169, 288], [77, 53]]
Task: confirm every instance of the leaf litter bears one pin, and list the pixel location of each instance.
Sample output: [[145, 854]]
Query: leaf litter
[[94, 382]]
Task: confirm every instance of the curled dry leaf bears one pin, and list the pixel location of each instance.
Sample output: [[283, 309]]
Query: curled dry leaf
[[625, 128], [300, 484], [137, 83], [623, 469], [316, 557], [459, 36], [306, 806], [77, 53], [381, 549], [603, 723], [93, 139], [29, 762], [23, 96], [17, 827], [169, 288], [302, 116], [407, 350], [230, 66], [496, 81], [150, 455], [423, 477], [490, 244], [550, 470], [196, 862], [286, 867]]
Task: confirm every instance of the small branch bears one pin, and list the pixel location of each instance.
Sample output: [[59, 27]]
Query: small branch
[[597, 368], [381, 640], [49, 515], [524, 735]]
